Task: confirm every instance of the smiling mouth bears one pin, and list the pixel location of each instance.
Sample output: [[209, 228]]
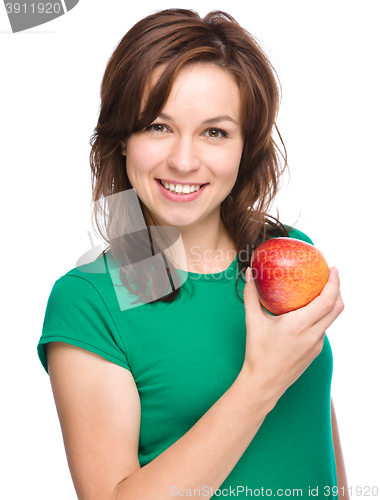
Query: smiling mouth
[[180, 188]]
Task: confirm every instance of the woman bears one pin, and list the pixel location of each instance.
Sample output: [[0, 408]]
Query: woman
[[166, 382]]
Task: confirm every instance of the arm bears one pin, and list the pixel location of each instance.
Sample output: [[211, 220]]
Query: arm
[[99, 412], [340, 468], [99, 408]]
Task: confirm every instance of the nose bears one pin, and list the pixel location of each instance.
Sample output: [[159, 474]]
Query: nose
[[183, 156]]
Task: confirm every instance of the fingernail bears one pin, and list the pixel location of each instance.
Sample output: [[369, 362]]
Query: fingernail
[[248, 275], [335, 270]]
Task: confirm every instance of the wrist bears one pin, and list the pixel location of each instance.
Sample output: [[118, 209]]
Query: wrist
[[254, 391]]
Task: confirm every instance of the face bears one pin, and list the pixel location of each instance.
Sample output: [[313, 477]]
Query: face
[[196, 141]]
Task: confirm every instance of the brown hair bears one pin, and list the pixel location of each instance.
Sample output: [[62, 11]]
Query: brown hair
[[175, 38]]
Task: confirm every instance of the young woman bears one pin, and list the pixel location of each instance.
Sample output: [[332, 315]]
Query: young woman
[[167, 380]]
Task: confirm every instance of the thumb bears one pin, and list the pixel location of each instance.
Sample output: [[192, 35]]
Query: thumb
[[251, 295]]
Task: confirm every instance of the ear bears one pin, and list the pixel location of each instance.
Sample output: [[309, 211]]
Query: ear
[[124, 148]]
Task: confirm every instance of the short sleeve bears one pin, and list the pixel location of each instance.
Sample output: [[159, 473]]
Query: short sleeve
[[76, 314]]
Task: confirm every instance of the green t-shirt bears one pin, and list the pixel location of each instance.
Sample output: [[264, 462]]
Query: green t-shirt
[[183, 357]]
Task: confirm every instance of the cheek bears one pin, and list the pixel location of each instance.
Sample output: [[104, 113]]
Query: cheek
[[137, 160], [226, 165], [141, 157]]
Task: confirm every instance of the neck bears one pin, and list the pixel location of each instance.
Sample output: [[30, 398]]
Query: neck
[[209, 249], [204, 250]]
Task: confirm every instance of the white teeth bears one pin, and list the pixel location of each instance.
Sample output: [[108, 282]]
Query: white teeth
[[179, 188]]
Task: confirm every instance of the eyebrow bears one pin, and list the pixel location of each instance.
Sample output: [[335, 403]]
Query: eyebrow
[[209, 121]]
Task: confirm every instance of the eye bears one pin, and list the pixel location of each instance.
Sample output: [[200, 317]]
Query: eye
[[216, 133], [157, 127]]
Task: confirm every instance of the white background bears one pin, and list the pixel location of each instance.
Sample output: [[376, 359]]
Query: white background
[[326, 54]]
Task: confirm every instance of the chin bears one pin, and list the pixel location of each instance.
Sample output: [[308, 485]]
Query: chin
[[159, 221], [176, 223]]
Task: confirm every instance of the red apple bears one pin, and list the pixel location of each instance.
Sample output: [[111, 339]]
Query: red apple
[[288, 273]]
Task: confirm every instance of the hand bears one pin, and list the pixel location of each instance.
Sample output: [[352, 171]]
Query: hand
[[280, 348]]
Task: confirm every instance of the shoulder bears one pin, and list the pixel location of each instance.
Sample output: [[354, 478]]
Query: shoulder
[[97, 285], [83, 287], [277, 229], [96, 273], [79, 287], [81, 311], [90, 270], [298, 235]]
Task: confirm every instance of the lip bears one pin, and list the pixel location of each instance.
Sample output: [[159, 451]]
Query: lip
[[181, 198]]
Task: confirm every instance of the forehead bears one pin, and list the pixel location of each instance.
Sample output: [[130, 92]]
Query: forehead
[[205, 86], [208, 79]]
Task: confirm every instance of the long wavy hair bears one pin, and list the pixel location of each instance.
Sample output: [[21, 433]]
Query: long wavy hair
[[171, 39]]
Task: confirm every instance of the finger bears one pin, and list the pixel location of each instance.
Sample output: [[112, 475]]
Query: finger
[[251, 295], [323, 304], [328, 319]]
